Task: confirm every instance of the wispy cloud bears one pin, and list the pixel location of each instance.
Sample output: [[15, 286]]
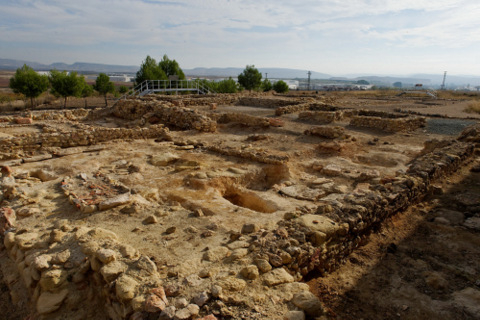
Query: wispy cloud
[[233, 32]]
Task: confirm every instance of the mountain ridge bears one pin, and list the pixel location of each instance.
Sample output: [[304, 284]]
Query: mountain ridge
[[272, 73]]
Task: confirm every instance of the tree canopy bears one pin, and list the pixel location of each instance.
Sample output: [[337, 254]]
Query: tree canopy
[[28, 82], [280, 86], [104, 86], [250, 78], [151, 70], [227, 86], [171, 68], [266, 85], [66, 84]]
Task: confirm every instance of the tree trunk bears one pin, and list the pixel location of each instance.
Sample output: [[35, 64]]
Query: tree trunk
[[85, 103], [65, 103], [31, 103], [106, 104]]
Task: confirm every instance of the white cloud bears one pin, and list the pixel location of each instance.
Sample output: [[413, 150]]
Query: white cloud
[[228, 32]]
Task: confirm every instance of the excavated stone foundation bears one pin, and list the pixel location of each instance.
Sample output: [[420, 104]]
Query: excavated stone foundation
[[107, 214]]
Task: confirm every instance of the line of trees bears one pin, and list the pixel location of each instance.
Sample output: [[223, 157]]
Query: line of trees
[[28, 82], [249, 79]]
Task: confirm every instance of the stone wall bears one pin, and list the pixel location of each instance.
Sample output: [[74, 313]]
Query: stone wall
[[266, 102], [31, 143], [322, 240], [381, 114], [389, 124], [242, 118], [321, 116], [312, 106]]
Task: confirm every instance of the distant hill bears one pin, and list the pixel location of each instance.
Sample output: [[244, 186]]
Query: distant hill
[[433, 80], [10, 64]]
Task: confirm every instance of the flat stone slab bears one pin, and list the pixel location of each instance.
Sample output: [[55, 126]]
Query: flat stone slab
[[115, 202], [319, 223], [40, 157]]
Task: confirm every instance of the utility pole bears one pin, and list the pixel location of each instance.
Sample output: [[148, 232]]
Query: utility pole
[[309, 74], [443, 83]]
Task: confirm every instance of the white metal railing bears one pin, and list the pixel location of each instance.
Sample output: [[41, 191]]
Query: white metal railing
[[151, 86]]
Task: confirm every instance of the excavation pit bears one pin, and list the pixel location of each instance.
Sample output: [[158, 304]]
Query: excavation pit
[[250, 200]]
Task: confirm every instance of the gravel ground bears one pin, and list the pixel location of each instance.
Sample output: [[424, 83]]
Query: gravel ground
[[448, 126]]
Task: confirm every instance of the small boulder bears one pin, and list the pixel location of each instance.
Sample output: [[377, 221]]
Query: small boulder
[[154, 304], [48, 302], [249, 228], [125, 288], [308, 302], [106, 255], [250, 272], [294, 315], [276, 277], [188, 312]]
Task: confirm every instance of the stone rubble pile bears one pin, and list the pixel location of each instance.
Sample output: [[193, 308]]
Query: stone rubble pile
[[67, 266], [327, 132], [155, 112], [195, 100]]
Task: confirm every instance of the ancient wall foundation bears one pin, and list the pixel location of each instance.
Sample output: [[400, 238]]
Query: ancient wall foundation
[[31, 143], [388, 124], [308, 106], [321, 241], [321, 116]]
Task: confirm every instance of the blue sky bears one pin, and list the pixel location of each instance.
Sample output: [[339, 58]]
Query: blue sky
[[337, 37]]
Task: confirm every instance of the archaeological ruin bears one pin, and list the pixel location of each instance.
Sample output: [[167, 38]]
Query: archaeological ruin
[[208, 206]]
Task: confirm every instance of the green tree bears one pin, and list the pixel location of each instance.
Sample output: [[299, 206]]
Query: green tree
[[28, 82], [266, 85], [250, 78], [104, 86], [149, 70], [227, 86], [66, 84], [87, 92], [397, 84], [123, 89], [280, 86], [171, 68]]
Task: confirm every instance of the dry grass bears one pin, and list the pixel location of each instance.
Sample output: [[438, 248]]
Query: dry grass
[[473, 107]]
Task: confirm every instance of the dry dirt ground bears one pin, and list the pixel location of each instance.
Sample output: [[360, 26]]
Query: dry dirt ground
[[419, 264]]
